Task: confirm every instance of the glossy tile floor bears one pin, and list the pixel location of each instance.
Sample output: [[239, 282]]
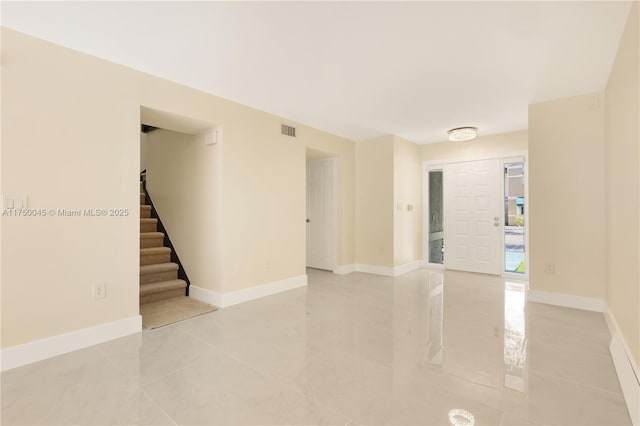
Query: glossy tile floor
[[347, 350]]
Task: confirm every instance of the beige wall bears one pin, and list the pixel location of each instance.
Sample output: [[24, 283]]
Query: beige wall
[[183, 182], [622, 177], [375, 202], [480, 147], [567, 195], [71, 139], [407, 191]]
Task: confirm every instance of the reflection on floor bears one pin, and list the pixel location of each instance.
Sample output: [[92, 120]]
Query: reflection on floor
[[355, 349]]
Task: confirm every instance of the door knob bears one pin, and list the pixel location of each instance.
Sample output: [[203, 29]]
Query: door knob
[[308, 221]]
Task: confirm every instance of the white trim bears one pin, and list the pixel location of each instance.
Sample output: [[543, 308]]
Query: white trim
[[204, 295], [566, 300], [387, 271], [615, 329], [626, 368], [427, 164], [407, 267], [49, 347], [223, 300], [344, 269]]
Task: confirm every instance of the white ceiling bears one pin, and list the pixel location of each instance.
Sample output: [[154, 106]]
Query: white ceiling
[[356, 69]]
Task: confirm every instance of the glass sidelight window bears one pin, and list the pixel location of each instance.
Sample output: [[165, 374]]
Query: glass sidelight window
[[436, 217], [514, 217]]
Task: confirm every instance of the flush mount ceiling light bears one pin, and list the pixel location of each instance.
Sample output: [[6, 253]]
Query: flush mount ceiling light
[[463, 133]]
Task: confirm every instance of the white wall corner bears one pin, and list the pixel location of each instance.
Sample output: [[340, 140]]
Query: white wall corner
[[344, 269], [566, 300], [223, 300], [408, 267], [39, 350], [375, 269], [626, 368]]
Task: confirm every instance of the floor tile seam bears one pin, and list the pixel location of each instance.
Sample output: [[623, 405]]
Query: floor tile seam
[[116, 365], [157, 405], [182, 364]]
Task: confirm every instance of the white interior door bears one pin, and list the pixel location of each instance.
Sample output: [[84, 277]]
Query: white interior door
[[320, 214], [472, 230]]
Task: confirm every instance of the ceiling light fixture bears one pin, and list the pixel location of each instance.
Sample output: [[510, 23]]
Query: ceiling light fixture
[[463, 133]]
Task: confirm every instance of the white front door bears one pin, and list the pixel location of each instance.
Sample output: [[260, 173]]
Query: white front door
[[472, 205], [320, 213]]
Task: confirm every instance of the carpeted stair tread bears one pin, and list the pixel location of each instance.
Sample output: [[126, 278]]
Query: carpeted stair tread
[[148, 224], [145, 211], [161, 286], [150, 251], [151, 235], [151, 239], [153, 255], [158, 268]]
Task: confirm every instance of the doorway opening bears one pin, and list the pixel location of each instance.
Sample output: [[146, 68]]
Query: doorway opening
[[514, 217], [321, 217]]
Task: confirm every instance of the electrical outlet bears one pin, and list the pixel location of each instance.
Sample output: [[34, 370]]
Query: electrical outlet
[[550, 268], [99, 291]]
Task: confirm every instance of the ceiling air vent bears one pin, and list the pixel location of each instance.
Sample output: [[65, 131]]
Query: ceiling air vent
[[288, 130]]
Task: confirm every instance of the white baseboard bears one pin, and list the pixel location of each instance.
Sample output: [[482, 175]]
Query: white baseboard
[[387, 271], [408, 267], [31, 352], [205, 295], [223, 300], [344, 269], [375, 269], [626, 369], [566, 300]]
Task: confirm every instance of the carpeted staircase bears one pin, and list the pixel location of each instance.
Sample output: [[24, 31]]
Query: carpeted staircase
[[163, 297], [158, 275]]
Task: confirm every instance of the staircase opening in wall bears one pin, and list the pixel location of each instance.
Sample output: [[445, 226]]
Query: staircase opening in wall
[[164, 285]]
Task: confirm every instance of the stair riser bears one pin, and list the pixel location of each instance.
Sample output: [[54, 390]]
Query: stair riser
[[142, 200], [161, 276], [144, 213], [148, 227], [151, 242], [161, 295], [155, 259]]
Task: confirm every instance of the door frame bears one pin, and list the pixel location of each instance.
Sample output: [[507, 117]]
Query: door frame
[[430, 165], [333, 219]]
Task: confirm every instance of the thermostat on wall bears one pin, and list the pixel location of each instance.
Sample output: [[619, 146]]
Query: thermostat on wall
[[214, 136]]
